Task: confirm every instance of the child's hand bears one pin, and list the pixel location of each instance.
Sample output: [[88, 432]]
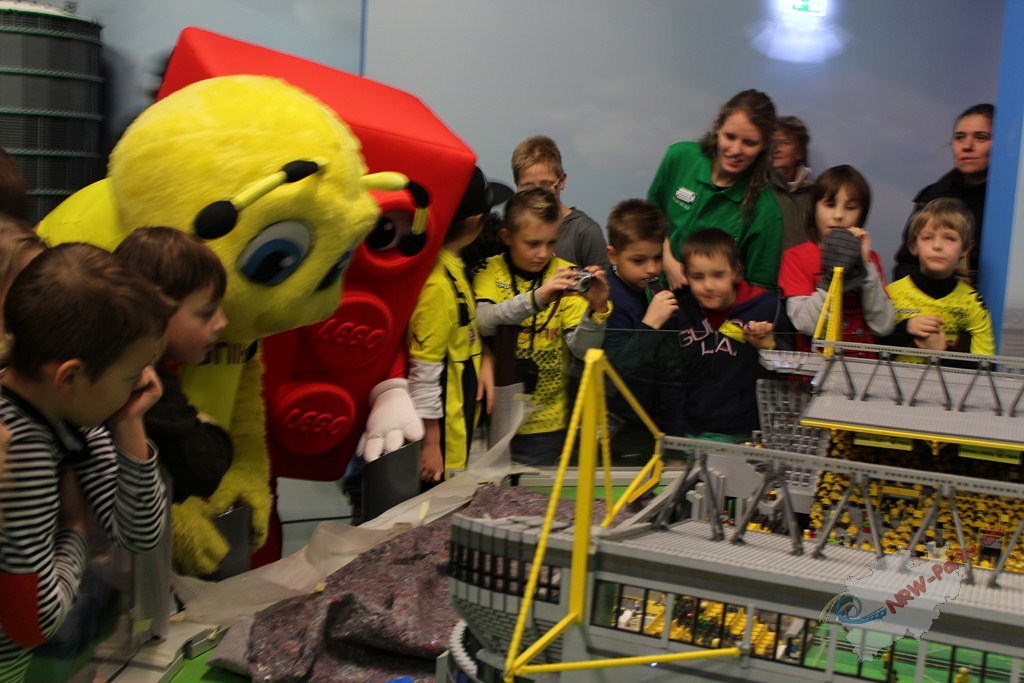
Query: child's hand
[[662, 307], [597, 293], [673, 269], [485, 385], [759, 334], [73, 508], [927, 332], [146, 392], [431, 463], [555, 286], [933, 342], [126, 425], [865, 244], [921, 326]]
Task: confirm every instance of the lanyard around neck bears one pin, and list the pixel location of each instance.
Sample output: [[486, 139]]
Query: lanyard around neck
[[534, 284]]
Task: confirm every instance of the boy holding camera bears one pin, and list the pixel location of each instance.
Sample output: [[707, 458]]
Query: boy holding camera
[[559, 310]]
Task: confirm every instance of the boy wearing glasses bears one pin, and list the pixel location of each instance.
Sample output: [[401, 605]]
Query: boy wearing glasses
[[537, 162], [527, 286]]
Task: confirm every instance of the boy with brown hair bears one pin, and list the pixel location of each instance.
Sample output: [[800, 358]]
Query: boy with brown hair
[[85, 333], [529, 287], [934, 308], [645, 359], [724, 321], [194, 451], [537, 162], [635, 226]]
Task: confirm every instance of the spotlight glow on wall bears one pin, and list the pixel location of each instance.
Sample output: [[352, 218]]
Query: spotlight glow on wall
[[812, 8], [799, 32]]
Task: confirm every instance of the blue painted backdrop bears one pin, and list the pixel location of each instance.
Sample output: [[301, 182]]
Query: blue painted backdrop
[[616, 82]]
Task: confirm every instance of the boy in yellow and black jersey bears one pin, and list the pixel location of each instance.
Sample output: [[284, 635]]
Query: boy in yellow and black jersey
[[556, 313], [934, 308], [449, 372]]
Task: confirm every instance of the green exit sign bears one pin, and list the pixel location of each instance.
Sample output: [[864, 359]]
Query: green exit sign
[[812, 8]]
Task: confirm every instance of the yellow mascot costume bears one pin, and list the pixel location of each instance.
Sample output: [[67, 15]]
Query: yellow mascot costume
[[275, 183]]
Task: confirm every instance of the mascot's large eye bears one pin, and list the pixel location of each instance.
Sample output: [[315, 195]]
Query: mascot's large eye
[[390, 229], [334, 274], [275, 253]]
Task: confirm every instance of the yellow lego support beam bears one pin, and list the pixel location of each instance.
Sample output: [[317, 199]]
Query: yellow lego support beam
[[832, 311], [589, 418], [631, 661]]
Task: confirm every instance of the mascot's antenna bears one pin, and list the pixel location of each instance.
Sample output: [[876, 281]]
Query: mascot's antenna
[[219, 218], [413, 243]]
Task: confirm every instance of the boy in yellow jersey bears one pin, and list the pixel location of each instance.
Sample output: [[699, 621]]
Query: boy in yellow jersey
[[556, 315], [449, 372], [934, 308]]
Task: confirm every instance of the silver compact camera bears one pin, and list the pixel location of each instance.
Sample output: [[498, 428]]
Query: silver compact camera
[[581, 280]]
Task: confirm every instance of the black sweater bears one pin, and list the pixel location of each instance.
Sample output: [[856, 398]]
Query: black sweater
[[194, 453], [950, 185]]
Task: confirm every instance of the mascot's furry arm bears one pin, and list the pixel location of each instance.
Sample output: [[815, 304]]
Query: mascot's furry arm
[[248, 480], [198, 546]]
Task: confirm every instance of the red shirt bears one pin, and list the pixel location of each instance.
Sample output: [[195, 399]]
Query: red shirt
[[799, 275]]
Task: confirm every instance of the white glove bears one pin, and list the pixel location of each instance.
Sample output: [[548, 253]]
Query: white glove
[[392, 421]]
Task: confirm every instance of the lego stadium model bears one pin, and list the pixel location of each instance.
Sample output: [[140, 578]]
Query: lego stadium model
[[745, 566]]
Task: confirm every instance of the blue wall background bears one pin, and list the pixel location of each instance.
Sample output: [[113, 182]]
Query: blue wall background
[[138, 37], [615, 83], [1002, 260]]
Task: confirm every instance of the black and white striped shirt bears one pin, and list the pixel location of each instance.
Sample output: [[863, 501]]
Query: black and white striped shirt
[[40, 564]]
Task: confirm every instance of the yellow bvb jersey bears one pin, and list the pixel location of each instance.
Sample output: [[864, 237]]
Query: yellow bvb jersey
[[962, 310], [443, 330], [541, 338]]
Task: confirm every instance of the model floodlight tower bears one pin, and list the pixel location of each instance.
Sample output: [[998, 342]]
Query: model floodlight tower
[[589, 419], [832, 312]]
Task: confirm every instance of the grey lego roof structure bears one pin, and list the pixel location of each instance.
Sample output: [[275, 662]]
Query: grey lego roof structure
[[925, 401], [902, 474], [767, 558], [791, 362]]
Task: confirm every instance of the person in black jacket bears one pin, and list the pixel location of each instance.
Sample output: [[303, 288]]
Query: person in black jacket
[[724, 322], [972, 139], [195, 452], [638, 342]]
